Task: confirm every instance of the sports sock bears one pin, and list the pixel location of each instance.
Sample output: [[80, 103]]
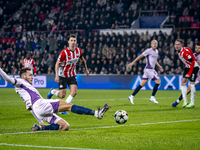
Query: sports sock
[[155, 88], [184, 93], [69, 99], [51, 127], [193, 91], [54, 92], [137, 90], [82, 110], [180, 98]]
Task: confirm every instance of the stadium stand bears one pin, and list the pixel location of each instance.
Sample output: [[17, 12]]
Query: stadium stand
[[42, 26]]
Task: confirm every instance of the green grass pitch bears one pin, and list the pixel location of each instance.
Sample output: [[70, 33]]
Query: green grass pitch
[[150, 126]]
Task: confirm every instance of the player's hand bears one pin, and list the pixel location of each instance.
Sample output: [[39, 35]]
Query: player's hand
[[198, 63], [131, 64], [43, 124], [161, 69], [57, 79], [87, 73], [187, 76], [34, 74]]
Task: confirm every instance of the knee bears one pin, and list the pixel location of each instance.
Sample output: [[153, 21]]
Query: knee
[[64, 127], [62, 95], [158, 82]]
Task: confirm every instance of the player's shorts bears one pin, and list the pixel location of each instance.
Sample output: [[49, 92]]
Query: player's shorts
[[46, 110], [150, 74], [193, 75], [64, 81]]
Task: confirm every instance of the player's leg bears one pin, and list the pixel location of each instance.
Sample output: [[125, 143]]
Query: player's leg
[[184, 91], [56, 123], [155, 88], [72, 83], [44, 110], [73, 92], [64, 106], [181, 97], [153, 75], [142, 83], [62, 89], [145, 78], [183, 87], [192, 86]]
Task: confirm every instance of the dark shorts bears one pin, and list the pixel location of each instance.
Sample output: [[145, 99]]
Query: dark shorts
[[64, 81], [194, 73]]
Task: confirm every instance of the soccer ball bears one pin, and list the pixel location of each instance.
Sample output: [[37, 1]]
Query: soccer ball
[[121, 116]]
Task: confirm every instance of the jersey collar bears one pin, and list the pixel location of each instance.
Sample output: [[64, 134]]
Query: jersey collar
[[71, 50]]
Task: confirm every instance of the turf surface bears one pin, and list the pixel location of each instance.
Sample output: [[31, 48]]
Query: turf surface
[[150, 126]]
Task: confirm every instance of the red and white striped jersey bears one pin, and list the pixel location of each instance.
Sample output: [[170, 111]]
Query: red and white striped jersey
[[67, 62], [29, 63], [185, 55]]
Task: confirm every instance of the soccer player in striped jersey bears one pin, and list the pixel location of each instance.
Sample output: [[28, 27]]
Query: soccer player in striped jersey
[[28, 62], [65, 69], [197, 81], [190, 72], [46, 110]]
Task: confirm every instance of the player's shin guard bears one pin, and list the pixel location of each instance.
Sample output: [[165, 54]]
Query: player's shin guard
[[82, 110], [184, 93], [193, 91], [69, 99], [155, 88]]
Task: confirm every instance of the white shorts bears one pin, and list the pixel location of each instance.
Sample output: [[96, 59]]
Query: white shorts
[[150, 74], [46, 109]]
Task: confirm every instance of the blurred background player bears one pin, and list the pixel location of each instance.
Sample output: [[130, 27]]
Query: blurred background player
[[151, 55], [190, 72], [65, 70], [28, 62], [197, 56], [45, 110]]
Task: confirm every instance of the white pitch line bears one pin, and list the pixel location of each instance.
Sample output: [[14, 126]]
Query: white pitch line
[[103, 127], [5, 144]]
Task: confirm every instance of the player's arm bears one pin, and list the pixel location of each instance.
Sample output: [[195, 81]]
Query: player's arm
[[138, 58], [190, 59], [12, 81], [34, 67], [56, 71], [160, 67], [60, 59], [83, 61]]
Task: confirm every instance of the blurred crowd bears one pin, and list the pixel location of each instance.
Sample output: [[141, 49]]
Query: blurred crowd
[[42, 26]]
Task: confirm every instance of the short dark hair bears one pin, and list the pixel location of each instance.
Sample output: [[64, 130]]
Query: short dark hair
[[24, 70], [198, 43], [71, 35], [179, 40]]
